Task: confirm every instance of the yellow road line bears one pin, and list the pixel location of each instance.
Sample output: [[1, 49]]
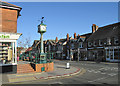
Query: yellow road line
[[29, 74], [108, 63]]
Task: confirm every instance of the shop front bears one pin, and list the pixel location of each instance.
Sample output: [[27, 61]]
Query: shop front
[[113, 53], [8, 51], [96, 54]]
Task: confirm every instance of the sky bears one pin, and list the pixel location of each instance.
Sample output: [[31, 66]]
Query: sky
[[64, 17]]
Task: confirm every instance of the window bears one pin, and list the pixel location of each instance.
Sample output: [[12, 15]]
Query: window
[[72, 46], [61, 48], [45, 49], [89, 44], [94, 43], [49, 47], [53, 47], [116, 42], [80, 44], [108, 41], [100, 43]]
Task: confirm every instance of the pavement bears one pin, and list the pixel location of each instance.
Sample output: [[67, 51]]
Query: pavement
[[59, 71]]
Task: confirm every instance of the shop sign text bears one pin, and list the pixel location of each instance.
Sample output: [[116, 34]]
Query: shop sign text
[[4, 36]]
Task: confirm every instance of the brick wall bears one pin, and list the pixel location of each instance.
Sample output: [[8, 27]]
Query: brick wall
[[9, 20]]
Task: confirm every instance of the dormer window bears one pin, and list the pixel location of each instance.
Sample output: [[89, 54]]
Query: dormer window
[[108, 41], [116, 42], [89, 44], [115, 27]]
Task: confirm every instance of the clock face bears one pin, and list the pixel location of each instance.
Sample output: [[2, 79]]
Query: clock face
[[43, 28]]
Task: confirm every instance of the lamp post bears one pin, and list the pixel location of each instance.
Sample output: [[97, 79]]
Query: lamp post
[[78, 54], [41, 30]]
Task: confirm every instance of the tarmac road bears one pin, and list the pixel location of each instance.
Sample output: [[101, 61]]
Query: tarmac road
[[103, 73]]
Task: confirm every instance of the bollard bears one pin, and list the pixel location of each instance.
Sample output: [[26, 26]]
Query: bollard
[[68, 66]]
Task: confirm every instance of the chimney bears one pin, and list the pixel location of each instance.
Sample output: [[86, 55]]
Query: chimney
[[75, 36], [94, 28], [67, 37], [56, 40]]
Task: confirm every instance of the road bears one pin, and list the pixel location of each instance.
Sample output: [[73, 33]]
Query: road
[[103, 73]]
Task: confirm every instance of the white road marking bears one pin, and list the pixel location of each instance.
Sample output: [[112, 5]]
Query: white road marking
[[103, 73], [97, 79], [109, 68], [97, 72], [89, 71], [94, 71], [101, 68], [112, 74]]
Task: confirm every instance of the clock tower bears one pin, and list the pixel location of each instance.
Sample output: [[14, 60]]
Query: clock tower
[[41, 30]]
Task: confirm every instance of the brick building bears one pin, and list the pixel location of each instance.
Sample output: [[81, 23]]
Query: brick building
[[8, 35]]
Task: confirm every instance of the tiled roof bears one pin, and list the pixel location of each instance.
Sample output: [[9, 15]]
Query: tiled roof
[[105, 32], [62, 40], [87, 34]]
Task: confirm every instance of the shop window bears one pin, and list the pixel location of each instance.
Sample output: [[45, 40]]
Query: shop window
[[116, 54], [107, 53], [6, 52], [116, 42]]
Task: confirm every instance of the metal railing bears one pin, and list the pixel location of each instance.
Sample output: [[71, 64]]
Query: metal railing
[[35, 57]]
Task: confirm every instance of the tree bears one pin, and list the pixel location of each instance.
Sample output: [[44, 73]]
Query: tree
[[24, 42]]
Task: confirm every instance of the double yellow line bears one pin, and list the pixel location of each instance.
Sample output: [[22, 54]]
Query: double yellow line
[[29, 74]]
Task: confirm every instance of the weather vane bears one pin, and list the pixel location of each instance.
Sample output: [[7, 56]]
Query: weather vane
[[42, 19]]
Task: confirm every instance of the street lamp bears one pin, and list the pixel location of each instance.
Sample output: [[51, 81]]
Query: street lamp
[[41, 30]]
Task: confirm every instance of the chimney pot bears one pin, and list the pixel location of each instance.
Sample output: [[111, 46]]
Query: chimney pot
[[94, 28], [75, 36], [67, 37], [56, 40]]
